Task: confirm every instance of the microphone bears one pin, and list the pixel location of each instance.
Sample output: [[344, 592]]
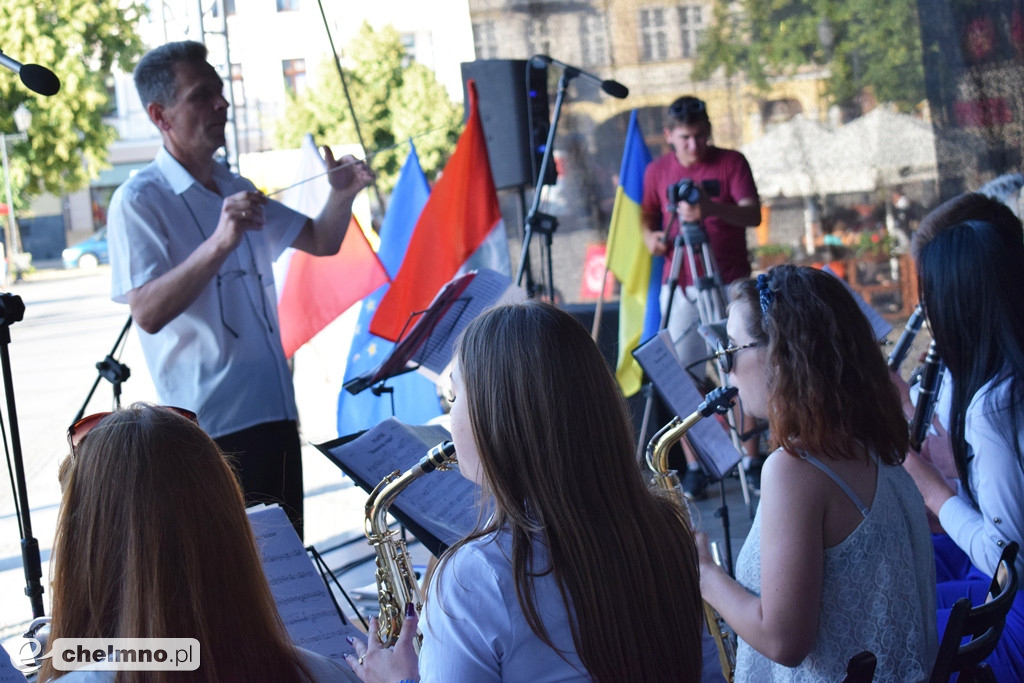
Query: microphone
[[36, 78], [613, 88]]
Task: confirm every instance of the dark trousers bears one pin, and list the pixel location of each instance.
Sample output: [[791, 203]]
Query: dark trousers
[[268, 463]]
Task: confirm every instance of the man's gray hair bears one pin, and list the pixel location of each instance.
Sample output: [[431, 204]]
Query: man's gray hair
[[154, 76]]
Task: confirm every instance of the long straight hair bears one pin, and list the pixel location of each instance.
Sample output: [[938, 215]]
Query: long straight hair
[[556, 449], [970, 283], [153, 542], [829, 385]]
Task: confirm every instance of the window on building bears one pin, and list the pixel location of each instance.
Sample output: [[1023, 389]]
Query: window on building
[[594, 40], [287, 5], [294, 71], [653, 35], [110, 85], [237, 85], [691, 27], [485, 40], [540, 37], [409, 48]]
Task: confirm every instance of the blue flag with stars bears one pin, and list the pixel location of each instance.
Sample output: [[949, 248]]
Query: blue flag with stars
[[415, 396]]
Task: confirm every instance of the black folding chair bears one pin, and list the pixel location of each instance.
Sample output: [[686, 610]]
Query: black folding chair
[[861, 668], [980, 625]]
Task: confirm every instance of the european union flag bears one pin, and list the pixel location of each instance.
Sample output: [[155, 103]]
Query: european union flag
[[415, 397]]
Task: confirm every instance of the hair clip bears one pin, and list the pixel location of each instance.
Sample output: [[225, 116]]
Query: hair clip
[[764, 292]]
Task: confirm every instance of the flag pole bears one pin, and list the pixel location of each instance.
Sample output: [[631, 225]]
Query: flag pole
[[348, 99]]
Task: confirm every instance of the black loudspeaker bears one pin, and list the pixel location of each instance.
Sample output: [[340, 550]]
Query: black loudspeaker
[[513, 103]]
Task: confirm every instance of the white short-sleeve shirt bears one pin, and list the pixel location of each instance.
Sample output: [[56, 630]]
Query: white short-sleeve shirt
[[222, 357]]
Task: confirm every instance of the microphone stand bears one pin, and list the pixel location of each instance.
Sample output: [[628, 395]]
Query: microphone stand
[[109, 369], [11, 311], [536, 221]]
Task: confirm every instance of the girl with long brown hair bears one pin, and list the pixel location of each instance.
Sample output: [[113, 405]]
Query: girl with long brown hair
[[579, 572], [153, 542]]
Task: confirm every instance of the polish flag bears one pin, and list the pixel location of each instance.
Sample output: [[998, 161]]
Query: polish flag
[[314, 290]]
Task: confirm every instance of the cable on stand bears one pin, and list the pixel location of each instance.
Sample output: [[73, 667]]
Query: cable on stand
[[536, 221]]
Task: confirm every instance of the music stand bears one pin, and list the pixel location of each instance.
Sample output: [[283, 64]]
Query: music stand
[[716, 451], [438, 509], [429, 344]]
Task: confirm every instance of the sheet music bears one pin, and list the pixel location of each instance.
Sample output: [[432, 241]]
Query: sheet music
[[444, 504], [428, 345], [879, 324], [487, 288], [303, 600], [714, 447]]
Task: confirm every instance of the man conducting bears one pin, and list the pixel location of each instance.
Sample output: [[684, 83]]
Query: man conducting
[[728, 204], [191, 250]]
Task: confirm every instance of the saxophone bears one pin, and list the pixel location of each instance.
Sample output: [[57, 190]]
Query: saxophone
[[396, 581], [718, 401]]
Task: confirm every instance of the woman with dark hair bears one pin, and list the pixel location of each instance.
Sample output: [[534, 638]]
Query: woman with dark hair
[[838, 559], [153, 542], [969, 254], [579, 572]]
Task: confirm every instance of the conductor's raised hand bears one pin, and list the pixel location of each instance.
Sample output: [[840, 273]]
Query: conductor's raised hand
[[348, 175], [241, 212]]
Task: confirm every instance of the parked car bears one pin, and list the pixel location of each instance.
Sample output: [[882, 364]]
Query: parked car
[[88, 253]]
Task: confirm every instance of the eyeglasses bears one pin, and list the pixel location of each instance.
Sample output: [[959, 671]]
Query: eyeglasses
[[78, 431], [687, 105], [725, 356], [227, 278], [232, 275]]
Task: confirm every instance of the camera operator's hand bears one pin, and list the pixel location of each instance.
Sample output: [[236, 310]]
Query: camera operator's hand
[[692, 213], [656, 242]]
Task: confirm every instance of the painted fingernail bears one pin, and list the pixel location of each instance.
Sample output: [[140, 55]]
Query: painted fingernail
[[410, 609], [350, 639]]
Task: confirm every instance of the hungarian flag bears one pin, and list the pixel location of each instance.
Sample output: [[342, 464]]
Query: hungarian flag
[[460, 215]]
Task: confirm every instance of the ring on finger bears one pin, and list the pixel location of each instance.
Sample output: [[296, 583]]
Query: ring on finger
[[361, 658]]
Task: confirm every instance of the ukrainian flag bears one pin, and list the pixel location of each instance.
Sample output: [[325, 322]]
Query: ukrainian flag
[[632, 264]]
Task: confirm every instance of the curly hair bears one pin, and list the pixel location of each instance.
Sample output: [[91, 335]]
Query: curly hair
[[828, 383]]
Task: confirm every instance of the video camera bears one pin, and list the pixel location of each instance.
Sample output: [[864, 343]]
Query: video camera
[[690, 191]]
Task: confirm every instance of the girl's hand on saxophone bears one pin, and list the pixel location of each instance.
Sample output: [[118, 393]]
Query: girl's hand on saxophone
[[374, 663]]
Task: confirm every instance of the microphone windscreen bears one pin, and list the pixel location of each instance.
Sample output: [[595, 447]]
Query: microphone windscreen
[[40, 79], [615, 89]]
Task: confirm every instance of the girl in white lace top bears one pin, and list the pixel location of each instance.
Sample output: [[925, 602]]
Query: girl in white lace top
[[839, 558]]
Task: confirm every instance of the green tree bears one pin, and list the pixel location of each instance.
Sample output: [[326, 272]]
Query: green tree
[[865, 44], [394, 99], [80, 40]]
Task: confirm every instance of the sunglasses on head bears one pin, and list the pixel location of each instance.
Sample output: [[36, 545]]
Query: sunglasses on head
[[78, 431], [687, 105], [725, 355]]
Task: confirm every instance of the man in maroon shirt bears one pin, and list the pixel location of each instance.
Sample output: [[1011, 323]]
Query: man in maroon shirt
[[728, 205]]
